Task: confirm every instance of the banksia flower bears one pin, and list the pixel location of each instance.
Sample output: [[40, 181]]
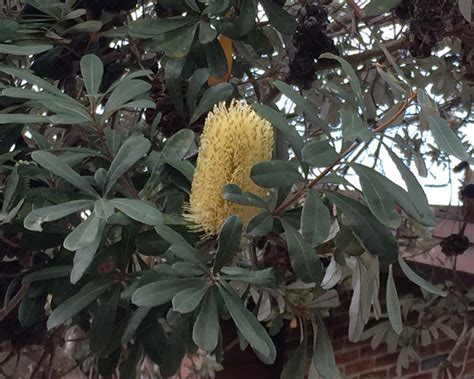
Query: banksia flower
[[233, 140]]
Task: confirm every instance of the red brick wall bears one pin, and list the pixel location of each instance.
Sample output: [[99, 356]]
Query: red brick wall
[[358, 360]]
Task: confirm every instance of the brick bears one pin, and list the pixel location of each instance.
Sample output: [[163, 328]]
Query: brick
[[381, 349], [433, 362], [426, 375], [338, 344], [426, 351], [411, 369], [339, 332], [347, 356], [359, 367], [445, 346], [380, 374], [387, 359]]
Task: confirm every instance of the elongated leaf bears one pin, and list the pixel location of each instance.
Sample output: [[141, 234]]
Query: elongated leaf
[[84, 234], [133, 324], [246, 19], [374, 236], [92, 71], [60, 168], [465, 6], [125, 92], [47, 273], [233, 193], [280, 19], [248, 326], [139, 210], [216, 59], [104, 208], [315, 219], [305, 105], [418, 280], [36, 217], [187, 300], [260, 225], [13, 118], [24, 50], [274, 174], [103, 323], [445, 138], [278, 121], [212, 96], [295, 368], [228, 241], [161, 292], [156, 26], [304, 260], [323, 356], [393, 304], [376, 7], [134, 148], [10, 189], [86, 26], [196, 82], [206, 327], [175, 348], [319, 153], [264, 277], [378, 198], [78, 302], [178, 144], [185, 168]]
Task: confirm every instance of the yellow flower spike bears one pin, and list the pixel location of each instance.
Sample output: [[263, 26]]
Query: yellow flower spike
[[233, 140]]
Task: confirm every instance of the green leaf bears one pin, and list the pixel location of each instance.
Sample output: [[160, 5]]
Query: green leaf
[[378, 198], [445, 138], [233, 193], [60, 168], [175, 348], [206, 33], [277, 119], [393, 304], [304, 260], [274, 174], [278, 17], [418, 280], [246, 20], [323, 356], [187, 300], [133, 149], [103, 322], [177, 44], [228, 241], [315, 219], [133, 323], [47, 273], [156, 26], [264, 277], [76, 303], [216, 59], [319, 153], [104, 208], [24, 50], [36, 217], [376, 7], [153, 339], [353, 79], [465, 7], [10, 189], [139, 210], [353, 127], [149, 243], [84, 234], [206, 327], [84, 257], [178, 144], [8, 29], [85, 27], [161, 292], [247, 324], [124, 93], [295, 367], [195, 85], [415, 191], [306, 106], [373, 235], [212, 96], [260, 225], [23, 119], [30, 311], [92, 71], [183, 167]]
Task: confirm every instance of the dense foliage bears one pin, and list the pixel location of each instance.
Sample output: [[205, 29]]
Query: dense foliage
[[102, 107]]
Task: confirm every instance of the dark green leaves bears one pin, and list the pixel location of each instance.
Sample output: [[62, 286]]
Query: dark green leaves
[[315, 219], [139, 210], [279, 18], [376, 7], [78, 302], [393, 304], [304, 260], [374, 236], [206, 327], [295, 368], [275, 174], [228, 241], [92, 70], [233, 193], [212, 96], [248, 325], [323, 355], [84, 234], [187, 300], [319, 153]]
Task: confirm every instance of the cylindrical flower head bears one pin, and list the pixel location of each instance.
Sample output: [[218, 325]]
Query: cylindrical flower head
[[233, 140]]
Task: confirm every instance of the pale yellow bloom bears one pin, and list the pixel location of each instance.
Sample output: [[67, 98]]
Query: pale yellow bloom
[[233, 140]]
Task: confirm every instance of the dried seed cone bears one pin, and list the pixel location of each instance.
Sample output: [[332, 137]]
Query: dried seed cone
[[233, 140]]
